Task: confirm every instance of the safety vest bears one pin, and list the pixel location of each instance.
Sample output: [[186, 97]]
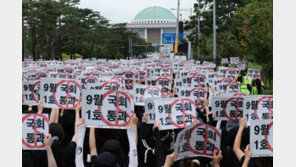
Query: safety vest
[[254, 91], [244, 87]]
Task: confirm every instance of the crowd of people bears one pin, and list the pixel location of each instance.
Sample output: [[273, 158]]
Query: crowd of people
[[71, 143]]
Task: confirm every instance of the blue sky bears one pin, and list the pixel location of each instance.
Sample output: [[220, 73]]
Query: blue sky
[[125, 10]]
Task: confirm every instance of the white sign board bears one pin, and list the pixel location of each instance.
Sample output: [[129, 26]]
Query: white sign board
[[259, 107], [149, 110], [34, 126], [175, 113], [141, 92], [261, 138], [30, 90], [198, 140], [57, 93], [227, 107], [107, 109]]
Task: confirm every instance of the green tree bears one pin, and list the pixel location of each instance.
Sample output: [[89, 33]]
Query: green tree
[[257, 34]]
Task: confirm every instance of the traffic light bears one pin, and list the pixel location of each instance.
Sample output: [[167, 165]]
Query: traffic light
[[147, 46], [183, 48], [180, 26]]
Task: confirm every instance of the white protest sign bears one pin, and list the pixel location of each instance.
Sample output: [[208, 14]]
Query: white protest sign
[[150, 81], [141, 92], [34, 126], [198, 80], [182, 73], [241, 65], [107, 109], [175, 113], [233, 87], [166, 85], [62, 75], [227, 108], [228, 72], [206, 63], [198, 94], [139, 76], [234, 60], [165, 71], [128, 78], [178, 83], [210, 77], [261, 138], [110, 85], [149, 110], [232, 72], [253, 73], [221, 85], [198, 140], [57, 93], [87, 80], [31, 92], [259, 107], [224, 60]]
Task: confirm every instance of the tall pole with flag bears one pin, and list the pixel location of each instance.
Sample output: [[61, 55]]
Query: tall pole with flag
[[177, 29]]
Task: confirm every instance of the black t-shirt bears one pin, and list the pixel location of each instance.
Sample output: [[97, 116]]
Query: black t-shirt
[[92, 159], [240, 79], [69, 153], [251, 163], [39, 157]]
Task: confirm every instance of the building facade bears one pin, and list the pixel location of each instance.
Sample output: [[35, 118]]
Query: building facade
[[156, 25]]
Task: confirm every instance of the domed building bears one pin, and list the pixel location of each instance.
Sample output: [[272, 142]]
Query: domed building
[[157, 25]]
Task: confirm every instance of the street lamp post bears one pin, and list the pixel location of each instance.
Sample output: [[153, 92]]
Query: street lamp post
[[198, 22], [214, 30], [177, 29]]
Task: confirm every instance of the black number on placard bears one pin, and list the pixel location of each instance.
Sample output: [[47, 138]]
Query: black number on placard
[[217, 103], [257, 130], [89, 99], [182, 92], [256, 142], [25, 87], [45, 87], [160, 108], [248, 105], [150, 115], [161, 120], [88, 114], [149, 106]]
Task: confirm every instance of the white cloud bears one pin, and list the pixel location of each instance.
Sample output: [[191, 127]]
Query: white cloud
[[125, 10]]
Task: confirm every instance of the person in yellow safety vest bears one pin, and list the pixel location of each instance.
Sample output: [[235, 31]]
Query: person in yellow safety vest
[[257, 87], [244, 80]]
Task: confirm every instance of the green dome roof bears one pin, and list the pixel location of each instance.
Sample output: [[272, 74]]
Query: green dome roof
[[155, 12]]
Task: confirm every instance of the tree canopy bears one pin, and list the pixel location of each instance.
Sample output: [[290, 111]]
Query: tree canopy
[[51, 28]]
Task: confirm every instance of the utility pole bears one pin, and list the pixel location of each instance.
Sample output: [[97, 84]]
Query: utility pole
[[131, 47], [214, 30], [177, 29], [189, 43], [198, 24], [130, 40]]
